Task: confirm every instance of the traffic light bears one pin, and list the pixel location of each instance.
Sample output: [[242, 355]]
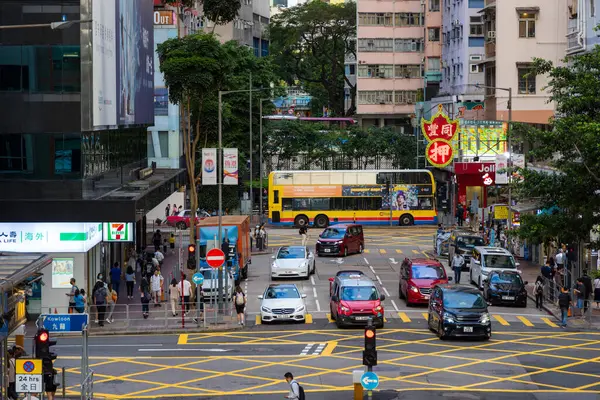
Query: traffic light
[[191, 263], [43, 352], [370, 352]]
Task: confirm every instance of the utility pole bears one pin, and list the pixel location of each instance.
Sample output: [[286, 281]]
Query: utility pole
[[251, 150], [509, 163]]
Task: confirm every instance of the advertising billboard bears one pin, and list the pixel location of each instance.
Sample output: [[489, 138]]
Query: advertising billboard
[[62, 272], [49, 237], [123, 62], [209, 166], [230, 166]]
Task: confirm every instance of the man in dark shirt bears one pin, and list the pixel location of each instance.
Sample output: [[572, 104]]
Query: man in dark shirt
[[564, 302], [580, 294], [587, 283]]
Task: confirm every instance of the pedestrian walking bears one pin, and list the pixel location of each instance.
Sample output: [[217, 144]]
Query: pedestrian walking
[[156, 240], [597, 291], [99, 295], [258, 238], [560, 259], [457, 263], [185, 291], [130, 281], [115, 276], [145, 297], [589, 289], [71, 295], [564, 302], [579, 291], [538, 289], [172, 243], [112, 298], [160, 257], [165, 246], [304, 234], [174, 212], [296, 391], [239, 299], [156, 283], [79, 301], [263, 234], [174, 296], [167, 210]]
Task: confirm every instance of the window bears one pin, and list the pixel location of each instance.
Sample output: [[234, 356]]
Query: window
[[434, 5], [526, 25], [433, 64], [375, 71], [405, 97], [67, 153], [375, 19], [375, 97], [593, 8], [276, 196], [526, 80], [476, 68], [16, 153], [409, 19], [377, 45], [408, 71], [408, 45], [161, 101], [351, 69], [434, 34], [476, 30]]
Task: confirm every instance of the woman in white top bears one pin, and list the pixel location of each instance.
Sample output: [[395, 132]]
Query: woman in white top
[[597, 291], [156, 286]]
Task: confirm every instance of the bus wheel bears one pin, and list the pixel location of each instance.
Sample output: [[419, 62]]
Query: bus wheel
[[321, 221], [406, 219], [301, 220]]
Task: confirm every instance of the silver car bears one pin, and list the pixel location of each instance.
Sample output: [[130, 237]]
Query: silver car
[[293, 261]]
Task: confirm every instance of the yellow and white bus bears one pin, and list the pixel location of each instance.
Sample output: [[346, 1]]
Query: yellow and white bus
[[369, 197]]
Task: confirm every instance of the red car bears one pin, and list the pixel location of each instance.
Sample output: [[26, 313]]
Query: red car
[[354, 299], [418, 277], [342, 239], [182, 220]]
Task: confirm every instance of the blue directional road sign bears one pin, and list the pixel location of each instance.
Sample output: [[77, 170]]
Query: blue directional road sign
[[369, 380], [65, 322], [198, 278]]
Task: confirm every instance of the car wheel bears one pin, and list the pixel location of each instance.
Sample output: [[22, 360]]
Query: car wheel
[[331, 313], [406, 220], [361, 249], [524, 305], [314, 268], [338, 323], [346, 251], [471, 277], [321, 221], [400, 294], [430, 323], [301, 220], [479, 283], [181, 225], [440, 331], [380, 326]]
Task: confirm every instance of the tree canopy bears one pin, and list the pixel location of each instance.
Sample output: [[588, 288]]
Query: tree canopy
[[220, 12], [310, 43], [571, 147]]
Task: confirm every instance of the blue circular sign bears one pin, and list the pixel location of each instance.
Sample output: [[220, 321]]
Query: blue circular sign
[[28, 366], [369, 380], [198, 278]]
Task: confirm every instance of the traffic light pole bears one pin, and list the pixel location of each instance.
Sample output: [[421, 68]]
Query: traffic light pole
[[198, 287], [370, 367]]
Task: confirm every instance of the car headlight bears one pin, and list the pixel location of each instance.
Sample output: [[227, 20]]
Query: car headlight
[[344, 308], [265, 309], [299, 308], [485, 318], [414, 289], [274, 265], [339, 242], [303, 265], [378, 308], [448, 318]]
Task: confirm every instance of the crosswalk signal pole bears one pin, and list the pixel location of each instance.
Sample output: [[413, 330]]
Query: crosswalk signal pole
[[370, 351]]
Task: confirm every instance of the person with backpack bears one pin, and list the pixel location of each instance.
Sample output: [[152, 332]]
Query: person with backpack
[[296, 391], [100, 295], [539, 292], [239, 299], [145, 297]]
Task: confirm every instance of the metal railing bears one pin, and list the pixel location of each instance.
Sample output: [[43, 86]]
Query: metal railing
[[87, 386]]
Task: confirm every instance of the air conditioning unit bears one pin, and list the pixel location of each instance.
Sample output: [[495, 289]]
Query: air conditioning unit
[[381, 101], [491, 34], [381, 75], [456, 22]]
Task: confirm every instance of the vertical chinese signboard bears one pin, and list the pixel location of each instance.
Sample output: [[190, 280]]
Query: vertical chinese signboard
[[209, 166], [439, 132], [230, 166]]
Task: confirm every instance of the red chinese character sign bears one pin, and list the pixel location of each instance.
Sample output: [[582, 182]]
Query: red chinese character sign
[[439, 132]]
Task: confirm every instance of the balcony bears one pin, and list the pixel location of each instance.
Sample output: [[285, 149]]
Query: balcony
[[490, 49], [575, 41], [433, 76]]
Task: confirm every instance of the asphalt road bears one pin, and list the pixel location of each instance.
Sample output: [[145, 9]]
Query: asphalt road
[[528, 357]]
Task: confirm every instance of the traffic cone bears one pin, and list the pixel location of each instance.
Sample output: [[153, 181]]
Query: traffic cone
[[569, 312], [55, 310]]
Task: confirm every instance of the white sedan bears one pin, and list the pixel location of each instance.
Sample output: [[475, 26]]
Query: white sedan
[[293, 261], [210, 287], [282, 302]]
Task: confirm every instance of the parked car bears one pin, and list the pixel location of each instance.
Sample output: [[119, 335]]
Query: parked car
[[282, 302], [293, 261], [182, 220], [210, 287], [341, 240], [486, 259], [463, 242], [505, 287], [354, 299], [418, 277], [458, 310]]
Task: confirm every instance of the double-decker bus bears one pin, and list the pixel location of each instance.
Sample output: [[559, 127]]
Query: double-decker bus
[[369, 197]]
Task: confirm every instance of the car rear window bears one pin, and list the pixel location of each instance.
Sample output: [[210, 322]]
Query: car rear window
[[359, 293], [427, 272], [499, 262], [469, 241], [333, 233]]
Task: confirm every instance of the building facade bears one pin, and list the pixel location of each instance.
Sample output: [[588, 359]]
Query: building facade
[[398, 47], [583, 19]]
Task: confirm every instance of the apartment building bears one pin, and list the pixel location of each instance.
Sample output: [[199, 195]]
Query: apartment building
[[583, 19], [249, 27], [463, 53], [398, 59], [515, 32]]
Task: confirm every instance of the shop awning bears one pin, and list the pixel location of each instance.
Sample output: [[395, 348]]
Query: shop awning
[[16, 267], [526, 206]]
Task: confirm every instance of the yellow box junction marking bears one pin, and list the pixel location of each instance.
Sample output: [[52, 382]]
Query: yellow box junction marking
[[403, 317], [425, 315], [501, 320], [183, 338], [524, 320], [382, 251], [398, 251], [329, 348], [547, 321]]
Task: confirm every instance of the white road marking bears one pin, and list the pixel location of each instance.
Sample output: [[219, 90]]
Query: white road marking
[[318, 305], [366, 261], [386, 292], [379, 280], [186, 349], [372, 270], [393, 261], [315, 292], [312, 279], [394, 304], [307, 349], [319, 349], [110, 345]]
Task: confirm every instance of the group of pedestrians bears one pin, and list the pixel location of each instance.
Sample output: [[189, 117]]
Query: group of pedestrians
[[258, 238]]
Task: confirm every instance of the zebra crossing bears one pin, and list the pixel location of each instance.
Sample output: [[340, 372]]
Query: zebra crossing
[[313, 349]]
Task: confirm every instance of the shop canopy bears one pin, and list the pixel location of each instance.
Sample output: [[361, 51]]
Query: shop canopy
[[16, 267]]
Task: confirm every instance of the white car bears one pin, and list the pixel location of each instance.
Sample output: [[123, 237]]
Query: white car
[[293, 261], [487, 259], [210, 287], [282, 302]]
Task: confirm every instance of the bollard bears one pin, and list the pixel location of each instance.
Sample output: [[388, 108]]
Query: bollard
[[358, 389], [20, 336], [64, 383]]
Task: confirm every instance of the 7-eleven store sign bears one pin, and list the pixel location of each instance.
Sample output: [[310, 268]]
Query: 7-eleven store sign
[[119, 232]]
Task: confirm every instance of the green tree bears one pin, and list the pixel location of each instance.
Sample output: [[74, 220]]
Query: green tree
[[220, 12], [572, 147], [309, 43]]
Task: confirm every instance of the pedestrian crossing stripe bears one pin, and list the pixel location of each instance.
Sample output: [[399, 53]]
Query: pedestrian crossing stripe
[[524, 320], [367, 251], [547, 321], [382, 251], [398, 251], [501, 320]]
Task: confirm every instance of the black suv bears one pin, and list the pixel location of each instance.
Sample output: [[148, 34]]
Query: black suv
[[458, 310], [505, 287]]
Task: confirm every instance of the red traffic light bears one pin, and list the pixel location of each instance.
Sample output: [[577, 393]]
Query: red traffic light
[[192, 248], [369, 333], [43, 337]]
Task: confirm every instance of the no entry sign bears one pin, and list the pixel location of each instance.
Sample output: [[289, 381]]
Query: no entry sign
[[215, 258]]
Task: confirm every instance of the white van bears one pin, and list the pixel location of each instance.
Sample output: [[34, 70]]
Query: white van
[[486, 259]]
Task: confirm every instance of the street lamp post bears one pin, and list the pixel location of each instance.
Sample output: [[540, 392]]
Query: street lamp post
[[509, 145], [260, 167], [52, 25]]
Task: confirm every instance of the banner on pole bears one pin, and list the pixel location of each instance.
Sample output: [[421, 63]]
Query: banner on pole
[[209, 166], [230, 166], [501, 169]]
